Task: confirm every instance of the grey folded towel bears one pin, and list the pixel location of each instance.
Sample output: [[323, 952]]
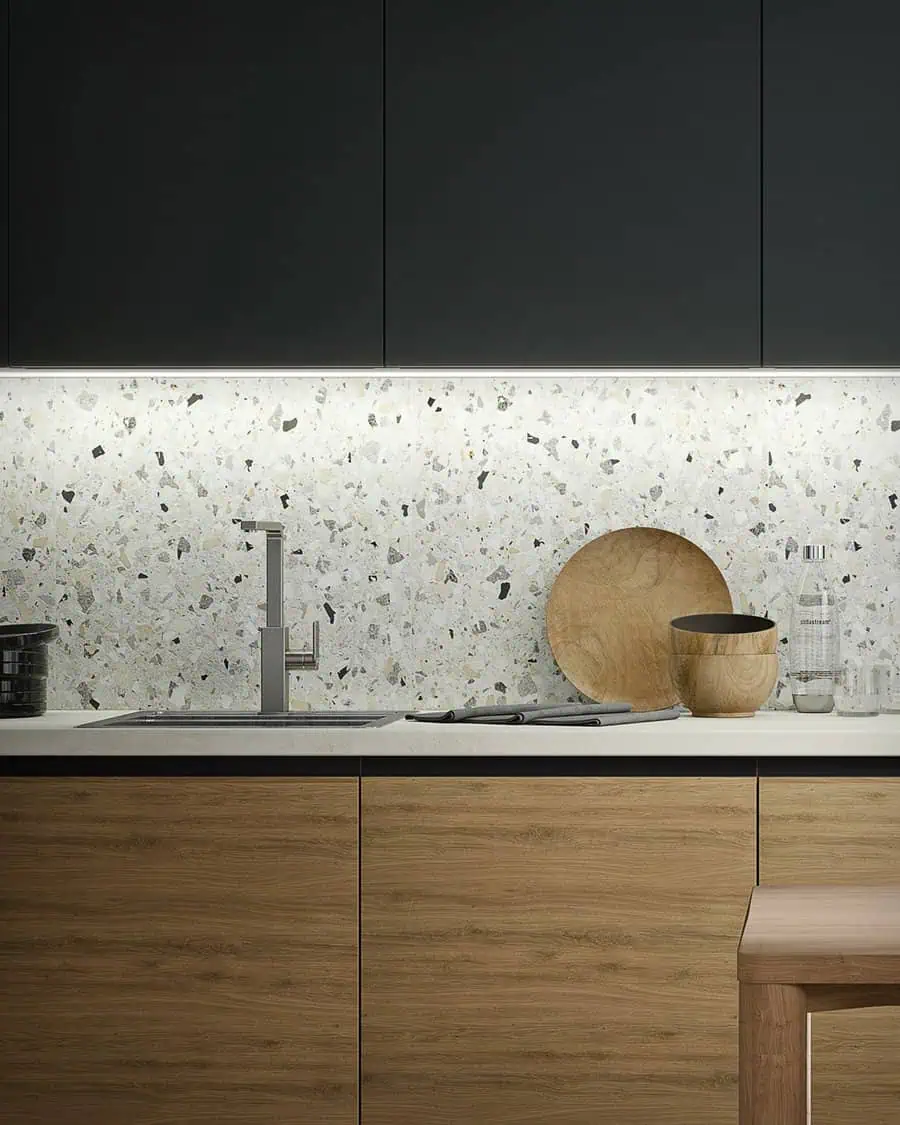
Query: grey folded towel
[[608, 720], [509, 713]]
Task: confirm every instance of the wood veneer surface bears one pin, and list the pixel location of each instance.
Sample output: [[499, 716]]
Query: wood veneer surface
[[556, 950], [773, 1044], [609, 610], [178, 951], [822, 934], [844, 831]]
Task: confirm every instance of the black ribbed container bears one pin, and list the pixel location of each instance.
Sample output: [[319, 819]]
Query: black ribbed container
[[24, 663]]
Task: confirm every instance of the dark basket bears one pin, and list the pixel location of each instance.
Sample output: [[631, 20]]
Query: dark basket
[[24, 664]]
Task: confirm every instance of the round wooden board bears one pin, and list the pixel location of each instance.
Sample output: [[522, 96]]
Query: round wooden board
[[610, 607]]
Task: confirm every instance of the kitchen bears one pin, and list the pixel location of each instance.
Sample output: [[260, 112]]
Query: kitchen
[[445, 356]]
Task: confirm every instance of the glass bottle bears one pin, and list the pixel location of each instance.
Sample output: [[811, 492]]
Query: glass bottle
[[813, 641]]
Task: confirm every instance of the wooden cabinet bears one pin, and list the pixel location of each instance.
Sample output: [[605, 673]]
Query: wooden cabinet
[[195, 184], [174, 950], [831, 176], [178, 951], [572, 183], [828, 830], [550, 949]]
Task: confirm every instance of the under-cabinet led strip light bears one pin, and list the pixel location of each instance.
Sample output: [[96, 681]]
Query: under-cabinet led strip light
[[452, 373]]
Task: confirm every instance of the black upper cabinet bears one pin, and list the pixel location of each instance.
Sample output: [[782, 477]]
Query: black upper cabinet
[[831, 169], [572, 183], [196, 182], [4, 189]]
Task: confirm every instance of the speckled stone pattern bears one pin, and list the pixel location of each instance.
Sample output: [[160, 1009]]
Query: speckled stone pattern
[[426, 519]]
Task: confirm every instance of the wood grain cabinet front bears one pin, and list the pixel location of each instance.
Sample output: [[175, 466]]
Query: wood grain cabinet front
[[178, 950], [845, 831], [552, 949]]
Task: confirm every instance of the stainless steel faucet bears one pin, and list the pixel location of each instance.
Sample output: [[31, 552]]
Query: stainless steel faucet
[[276, 661]]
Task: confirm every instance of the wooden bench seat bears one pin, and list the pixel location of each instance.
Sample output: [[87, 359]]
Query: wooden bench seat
[[806, 949]]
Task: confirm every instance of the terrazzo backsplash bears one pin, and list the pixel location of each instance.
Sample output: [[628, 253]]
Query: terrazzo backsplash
[[426, 519]]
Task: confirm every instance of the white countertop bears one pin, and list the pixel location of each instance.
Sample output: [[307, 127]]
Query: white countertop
[[766, 734]]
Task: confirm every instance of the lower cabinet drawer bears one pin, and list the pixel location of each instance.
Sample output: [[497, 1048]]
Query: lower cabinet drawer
[[178, 951], [829, 830], [552, 950]]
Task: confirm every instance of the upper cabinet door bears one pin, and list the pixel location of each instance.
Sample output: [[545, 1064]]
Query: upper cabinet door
[[196, 182], [4, 189], [572, 183], [831, 173]]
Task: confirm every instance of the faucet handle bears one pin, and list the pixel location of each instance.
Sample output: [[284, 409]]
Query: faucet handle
[[306, 658], [261, 525]]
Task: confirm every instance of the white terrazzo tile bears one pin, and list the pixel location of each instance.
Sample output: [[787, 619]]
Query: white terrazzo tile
[[833, 476], [426, 519], [30, 500]]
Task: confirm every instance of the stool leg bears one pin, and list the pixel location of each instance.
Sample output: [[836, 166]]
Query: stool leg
[[772, 1054]]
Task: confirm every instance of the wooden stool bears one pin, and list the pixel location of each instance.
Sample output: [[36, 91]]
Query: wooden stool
[[806, 949]]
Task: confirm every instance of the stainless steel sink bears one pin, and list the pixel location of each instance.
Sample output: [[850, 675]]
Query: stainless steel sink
[[201, 719]]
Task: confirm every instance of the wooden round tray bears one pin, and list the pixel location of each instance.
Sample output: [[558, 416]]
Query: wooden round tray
[[610, 607]]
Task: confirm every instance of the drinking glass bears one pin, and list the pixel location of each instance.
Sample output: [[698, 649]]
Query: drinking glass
[[890, 690], [857, 688]]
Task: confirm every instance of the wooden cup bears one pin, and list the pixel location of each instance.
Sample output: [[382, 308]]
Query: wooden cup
[[722, 634], [723, 664], [724, 686]]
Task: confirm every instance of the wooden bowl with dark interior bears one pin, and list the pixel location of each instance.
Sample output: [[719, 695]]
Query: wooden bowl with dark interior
[[723, 664], [722, 634]]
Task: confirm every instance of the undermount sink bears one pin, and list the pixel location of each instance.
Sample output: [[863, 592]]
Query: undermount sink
[[319, 719]]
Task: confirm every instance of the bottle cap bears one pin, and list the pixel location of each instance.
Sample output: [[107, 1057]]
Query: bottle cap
[[814, 552]]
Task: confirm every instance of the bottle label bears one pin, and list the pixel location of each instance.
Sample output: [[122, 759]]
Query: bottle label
[[813, 644]]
